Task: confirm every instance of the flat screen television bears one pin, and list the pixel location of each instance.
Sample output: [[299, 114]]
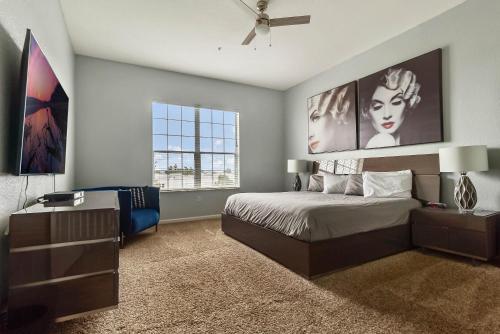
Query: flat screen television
[[43, 117]]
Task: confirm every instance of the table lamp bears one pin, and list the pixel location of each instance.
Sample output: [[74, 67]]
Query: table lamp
[[297, 166], [464, 159]]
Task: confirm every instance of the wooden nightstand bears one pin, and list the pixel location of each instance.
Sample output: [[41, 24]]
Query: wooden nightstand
[[472, 235]]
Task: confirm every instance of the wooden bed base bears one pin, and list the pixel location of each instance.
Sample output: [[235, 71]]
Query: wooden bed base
[[313, 259]]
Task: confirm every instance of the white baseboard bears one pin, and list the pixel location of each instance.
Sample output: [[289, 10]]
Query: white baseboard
[[189, 219]]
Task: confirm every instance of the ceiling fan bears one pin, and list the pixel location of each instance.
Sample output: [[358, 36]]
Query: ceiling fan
[[263, 23]]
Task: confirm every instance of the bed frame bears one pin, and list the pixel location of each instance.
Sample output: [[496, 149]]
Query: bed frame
[[313, 259]]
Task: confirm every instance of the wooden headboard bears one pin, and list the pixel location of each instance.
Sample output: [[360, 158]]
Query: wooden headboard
[[425, 169]]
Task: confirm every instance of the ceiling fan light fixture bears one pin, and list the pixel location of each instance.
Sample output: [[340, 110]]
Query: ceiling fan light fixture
[[262, 29], [263, 23]]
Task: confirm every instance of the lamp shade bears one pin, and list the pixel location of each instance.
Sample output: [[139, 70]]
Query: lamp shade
[[297, 166], [463, 159]]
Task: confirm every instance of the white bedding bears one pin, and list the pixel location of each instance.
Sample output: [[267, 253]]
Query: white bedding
[[314, 216]]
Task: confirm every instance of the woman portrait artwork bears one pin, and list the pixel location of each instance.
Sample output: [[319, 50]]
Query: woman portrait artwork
[[332, 120], [402, 105]]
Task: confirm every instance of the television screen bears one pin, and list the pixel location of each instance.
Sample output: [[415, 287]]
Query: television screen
[[44, 108]]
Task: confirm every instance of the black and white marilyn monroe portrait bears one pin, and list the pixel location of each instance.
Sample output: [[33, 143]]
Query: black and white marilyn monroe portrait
[[402, 104], [332, 120]]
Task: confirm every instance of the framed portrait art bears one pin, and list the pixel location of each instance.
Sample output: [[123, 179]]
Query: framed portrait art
[[332, 122], [402, 104]]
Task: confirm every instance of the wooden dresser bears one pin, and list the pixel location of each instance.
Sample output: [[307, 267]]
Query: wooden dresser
[[63, 261], [471, 235]]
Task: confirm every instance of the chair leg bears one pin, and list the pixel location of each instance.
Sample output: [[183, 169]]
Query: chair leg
[[122, 240], [156, 228]]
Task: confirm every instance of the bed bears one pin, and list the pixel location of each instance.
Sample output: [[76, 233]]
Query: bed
[[313, 233]]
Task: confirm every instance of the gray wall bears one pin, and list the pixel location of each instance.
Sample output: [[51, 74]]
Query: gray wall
[[113, 134], [471, 79], [46, 21]]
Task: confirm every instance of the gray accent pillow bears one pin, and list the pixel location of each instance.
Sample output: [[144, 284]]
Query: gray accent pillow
[[354, 185], [315, 183], [138, 199], [334, 184]]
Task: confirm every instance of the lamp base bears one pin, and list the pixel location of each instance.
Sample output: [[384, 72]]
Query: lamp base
[[465, 194], [466, 211], [297, 184]]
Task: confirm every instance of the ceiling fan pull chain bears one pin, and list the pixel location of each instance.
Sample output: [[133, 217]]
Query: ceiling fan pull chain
[[270, 38]]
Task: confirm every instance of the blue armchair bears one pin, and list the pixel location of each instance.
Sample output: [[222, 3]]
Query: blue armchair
[[135, 220]]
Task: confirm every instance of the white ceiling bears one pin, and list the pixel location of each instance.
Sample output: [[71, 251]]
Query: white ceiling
[[184, 35]]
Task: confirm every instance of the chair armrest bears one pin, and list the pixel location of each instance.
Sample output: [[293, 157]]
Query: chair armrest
[[125, 200], [152, 195], [112, 188]]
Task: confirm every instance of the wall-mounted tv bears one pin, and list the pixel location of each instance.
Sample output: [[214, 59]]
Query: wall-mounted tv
[[44, 115]]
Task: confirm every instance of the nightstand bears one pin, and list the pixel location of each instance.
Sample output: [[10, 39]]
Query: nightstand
[[472, 235]]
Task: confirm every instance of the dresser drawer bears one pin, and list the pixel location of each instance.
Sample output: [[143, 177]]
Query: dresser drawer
[[470, 243], [69, 297], [61, 227], [430, 235], [445, 218], [49, 263]]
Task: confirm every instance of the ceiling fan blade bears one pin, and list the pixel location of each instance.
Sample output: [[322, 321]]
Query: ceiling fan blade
[[288, 21], [249, 38], [248, 7]]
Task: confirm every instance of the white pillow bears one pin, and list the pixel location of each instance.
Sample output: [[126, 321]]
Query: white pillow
[[387, 184], [334, 184]]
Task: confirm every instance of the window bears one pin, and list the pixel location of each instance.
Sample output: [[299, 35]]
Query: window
[[194, 148], [348, 166]]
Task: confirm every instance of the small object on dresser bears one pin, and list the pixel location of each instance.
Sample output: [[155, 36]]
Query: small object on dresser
[[61, 196], [297, 166], [436, 205], [72, 202]]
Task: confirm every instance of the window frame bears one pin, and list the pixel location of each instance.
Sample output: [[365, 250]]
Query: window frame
[[212, 153]]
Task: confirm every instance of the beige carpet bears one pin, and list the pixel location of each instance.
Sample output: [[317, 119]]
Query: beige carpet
[[191, 278]]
